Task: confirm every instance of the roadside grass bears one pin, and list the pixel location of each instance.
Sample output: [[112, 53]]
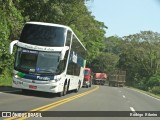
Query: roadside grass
[[146, 92], [5, 81]]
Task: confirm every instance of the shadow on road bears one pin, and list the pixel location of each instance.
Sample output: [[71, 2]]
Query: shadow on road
[[32, 93], [10, 90], [6, 88]]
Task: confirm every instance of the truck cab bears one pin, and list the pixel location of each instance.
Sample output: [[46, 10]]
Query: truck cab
[[87, 82]]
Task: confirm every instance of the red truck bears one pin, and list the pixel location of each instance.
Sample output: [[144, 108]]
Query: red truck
[[87, 82], [99, 78]]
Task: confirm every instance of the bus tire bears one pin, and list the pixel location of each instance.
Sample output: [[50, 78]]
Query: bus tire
[[64, 92], [65, 89], [60, 94], [68, 86]]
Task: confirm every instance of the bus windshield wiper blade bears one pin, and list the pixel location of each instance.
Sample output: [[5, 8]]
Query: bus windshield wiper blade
[[44, 71]]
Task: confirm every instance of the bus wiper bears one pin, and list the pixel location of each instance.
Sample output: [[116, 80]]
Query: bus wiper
[[45, 71]]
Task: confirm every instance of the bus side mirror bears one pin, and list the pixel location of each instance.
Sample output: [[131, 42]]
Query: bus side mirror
[[12, 45], [63, 52]]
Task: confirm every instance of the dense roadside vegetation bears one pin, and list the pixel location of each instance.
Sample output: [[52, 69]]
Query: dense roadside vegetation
[[138, 54]]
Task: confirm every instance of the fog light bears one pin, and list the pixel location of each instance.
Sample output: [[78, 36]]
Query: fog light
[[52, 87]]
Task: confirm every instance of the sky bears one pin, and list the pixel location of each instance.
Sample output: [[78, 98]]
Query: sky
[[127, 17]]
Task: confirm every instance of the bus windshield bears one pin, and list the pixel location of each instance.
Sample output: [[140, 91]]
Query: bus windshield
[[86, 72], [30, 61], [43, 35]]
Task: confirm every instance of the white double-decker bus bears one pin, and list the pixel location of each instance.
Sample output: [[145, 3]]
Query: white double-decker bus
[[49, 58]]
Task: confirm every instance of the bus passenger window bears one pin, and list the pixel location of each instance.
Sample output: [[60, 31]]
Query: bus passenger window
[[62, 64], [68, 40]]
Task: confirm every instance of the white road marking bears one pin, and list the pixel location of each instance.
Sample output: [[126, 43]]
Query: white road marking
[[145, 94], [132, 109], [124, 96]]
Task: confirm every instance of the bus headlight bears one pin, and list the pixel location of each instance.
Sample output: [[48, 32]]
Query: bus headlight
[[57, 78], [16, 76]]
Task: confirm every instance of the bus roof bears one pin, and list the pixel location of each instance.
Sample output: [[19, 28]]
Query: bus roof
[[49, 24], [87, 69], [57, 25]]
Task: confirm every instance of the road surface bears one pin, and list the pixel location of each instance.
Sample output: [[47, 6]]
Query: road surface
[[97, 102]]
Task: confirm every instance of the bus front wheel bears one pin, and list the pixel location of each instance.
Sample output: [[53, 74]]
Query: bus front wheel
[[65, 89], [64, 92]]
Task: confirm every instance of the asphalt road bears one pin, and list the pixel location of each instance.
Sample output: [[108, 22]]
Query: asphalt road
[[97, 102]]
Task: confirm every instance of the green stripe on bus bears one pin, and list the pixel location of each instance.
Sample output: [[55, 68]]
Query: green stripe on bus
[[20, 74]]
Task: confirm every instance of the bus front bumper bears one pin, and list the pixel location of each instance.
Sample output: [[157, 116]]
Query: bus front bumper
[[35, 85]]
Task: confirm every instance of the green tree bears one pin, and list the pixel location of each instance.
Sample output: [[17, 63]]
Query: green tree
[[140, 57], [10, 24], [104, 62], [113, 44]]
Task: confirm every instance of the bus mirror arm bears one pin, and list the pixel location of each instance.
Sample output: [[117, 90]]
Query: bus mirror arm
[[12, 45], [63, 52]]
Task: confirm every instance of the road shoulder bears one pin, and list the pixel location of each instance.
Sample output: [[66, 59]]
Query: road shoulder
[[145, 92]]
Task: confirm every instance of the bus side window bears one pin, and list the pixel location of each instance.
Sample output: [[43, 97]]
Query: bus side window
[[73, 69], [62, 63], [68, 40], [70, 69]]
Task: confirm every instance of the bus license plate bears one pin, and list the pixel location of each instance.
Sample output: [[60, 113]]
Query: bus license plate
[[32, 87]]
